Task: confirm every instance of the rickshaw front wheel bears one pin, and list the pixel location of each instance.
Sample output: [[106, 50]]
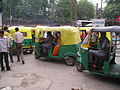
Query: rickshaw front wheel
[[70, 61], [79, 66], [36, 56]]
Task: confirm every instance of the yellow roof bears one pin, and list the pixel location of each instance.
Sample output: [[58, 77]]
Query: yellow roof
[[85, 28], [28, 30], [69, 34], [21, 28]]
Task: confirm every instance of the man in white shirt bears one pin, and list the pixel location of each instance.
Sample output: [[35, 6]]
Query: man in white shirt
[[18, 39], [7, 33], [4, 45]]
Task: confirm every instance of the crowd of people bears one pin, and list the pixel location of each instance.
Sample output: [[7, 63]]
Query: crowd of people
[[6, 47]]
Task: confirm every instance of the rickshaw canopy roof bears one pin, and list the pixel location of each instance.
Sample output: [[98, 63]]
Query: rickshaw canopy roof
[[84, 28], [27, 30], [69, 34], [21, 28], [107, 29]]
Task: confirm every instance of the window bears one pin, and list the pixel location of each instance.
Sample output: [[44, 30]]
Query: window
[[24, 34]]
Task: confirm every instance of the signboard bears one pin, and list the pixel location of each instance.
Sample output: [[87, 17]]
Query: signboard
[[98, 22], [118, 19]]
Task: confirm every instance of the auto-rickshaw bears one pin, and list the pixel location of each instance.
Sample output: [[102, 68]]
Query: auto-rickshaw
[[27, 34], [83, 32], [108, 64], [67, 48], [36, 31]]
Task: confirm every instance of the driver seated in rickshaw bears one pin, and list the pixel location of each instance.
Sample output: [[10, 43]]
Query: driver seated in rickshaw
[[102, 53], [48, 42], [93, 41]]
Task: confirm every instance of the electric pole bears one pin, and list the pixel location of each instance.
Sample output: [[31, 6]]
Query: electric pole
[[96, 10], [101, 8], [1, 12], [73, 5]]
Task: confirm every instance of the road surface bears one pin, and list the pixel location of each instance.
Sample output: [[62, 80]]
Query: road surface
[[48, 74]]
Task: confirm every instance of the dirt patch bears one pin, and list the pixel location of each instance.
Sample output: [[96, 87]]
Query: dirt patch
[[19, 75]]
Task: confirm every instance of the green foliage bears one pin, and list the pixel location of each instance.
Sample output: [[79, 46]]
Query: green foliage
[[112, 9], [86, 10], [45, 10], [63, 10], [113, 1]]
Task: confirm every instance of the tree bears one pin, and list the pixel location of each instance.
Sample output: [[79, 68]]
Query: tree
[[113, 1], [63, 10], [85, 10], [39, 11], [112, 9]]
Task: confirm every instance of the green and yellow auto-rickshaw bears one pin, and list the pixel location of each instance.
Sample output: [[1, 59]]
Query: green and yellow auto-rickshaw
[[27, 33], [67, 48], [36, 33], [83, 32], [105, 65]]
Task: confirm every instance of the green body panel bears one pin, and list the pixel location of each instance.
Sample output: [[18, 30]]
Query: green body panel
[[106, 67], [64, 51], [84, 58], [27, 44]]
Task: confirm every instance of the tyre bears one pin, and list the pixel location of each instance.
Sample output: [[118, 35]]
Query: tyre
[[70, 61], [36, 56], [79, 66], [31, 51]]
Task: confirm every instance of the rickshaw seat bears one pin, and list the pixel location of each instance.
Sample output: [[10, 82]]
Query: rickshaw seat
[[55, 50]]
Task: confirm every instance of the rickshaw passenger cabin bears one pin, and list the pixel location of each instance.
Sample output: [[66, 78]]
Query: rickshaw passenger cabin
[[67, 48]]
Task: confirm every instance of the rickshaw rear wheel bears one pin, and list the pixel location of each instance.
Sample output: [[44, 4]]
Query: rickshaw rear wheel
[[36, 56], [79, 66], [31, 51], [70, 61]]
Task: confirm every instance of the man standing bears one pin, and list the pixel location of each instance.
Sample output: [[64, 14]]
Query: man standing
[[7, 33], [4, 45], [18, 39]]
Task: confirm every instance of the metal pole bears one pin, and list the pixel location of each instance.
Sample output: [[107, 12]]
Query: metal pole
[[101, 8], [75, 10], [101, 4], [1, 13], [71, 5], [96, 10], [10, 13]]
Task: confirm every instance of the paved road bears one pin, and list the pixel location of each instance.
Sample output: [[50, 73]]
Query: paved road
[[52, 75]]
